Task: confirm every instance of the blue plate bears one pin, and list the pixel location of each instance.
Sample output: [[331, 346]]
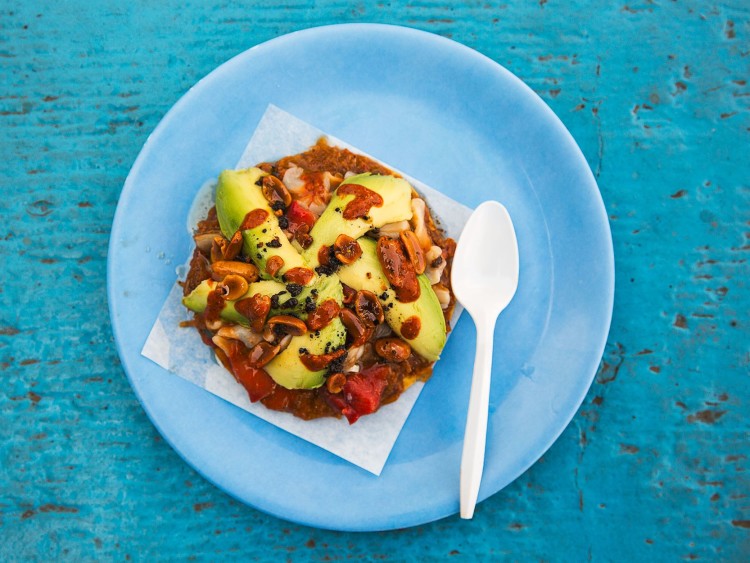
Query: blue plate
[[462, 124]]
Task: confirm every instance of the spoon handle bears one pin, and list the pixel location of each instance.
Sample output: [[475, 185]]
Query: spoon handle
[[475, 435]]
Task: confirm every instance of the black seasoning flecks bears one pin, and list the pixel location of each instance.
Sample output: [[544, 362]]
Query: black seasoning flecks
[[275, 299], [337, 365], [283, 222], [274, 243], [294, 289]]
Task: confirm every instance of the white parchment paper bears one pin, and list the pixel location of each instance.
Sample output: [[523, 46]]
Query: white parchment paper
[[369, 441]]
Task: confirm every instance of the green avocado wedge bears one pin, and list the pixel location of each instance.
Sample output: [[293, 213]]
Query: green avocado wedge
[[287, 368], [197, 299], [237, 194], [396, 194], [367, 274]]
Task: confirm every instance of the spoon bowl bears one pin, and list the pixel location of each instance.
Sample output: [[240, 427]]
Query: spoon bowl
[[484, 280]]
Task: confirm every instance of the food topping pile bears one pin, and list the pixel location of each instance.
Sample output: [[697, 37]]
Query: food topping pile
[[321, 282]]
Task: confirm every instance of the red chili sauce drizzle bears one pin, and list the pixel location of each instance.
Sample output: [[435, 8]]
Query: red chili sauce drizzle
[[254, 218], [299, 275], [255, 309], [411, 327], [214, 305], [323, 314], [273, 265], [398, 269], [364, 199]]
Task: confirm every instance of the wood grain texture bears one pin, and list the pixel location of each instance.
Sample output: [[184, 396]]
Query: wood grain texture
[[654, 464]]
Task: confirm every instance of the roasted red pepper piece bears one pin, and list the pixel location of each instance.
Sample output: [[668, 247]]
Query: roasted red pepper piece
[[298, 215], [256, 381], [362, 392]]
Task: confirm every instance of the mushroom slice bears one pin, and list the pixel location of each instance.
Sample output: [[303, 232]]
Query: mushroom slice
[[418, 209], [393, 230], [233, 287], [293, 178], [355, 327], [353, 356], [224, 268], [204, 240], [413, 250], [435, 264], [275, 191], [346, 249], [392, 349], [368, 308], [443, 295], [335, 383], [223, 344], [262, 353], [287, 324], [241, 333], [234, 247]]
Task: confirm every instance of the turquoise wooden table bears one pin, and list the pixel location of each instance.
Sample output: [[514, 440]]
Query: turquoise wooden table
[[653, 465]]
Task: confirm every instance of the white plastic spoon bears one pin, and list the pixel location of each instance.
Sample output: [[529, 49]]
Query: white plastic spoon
[[484, 278]]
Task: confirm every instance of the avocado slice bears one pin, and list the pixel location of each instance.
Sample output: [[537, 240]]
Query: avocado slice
[[396, 194], [287, 368], [367, 274], [237, 194], [197, 300]]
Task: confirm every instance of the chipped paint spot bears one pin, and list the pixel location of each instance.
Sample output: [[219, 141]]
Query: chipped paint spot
[[56, 508], [706, 416], [609, 369], [40, 208], [729, 30]]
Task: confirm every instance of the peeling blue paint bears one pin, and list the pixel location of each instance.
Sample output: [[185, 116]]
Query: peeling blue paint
[[654, 465]]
